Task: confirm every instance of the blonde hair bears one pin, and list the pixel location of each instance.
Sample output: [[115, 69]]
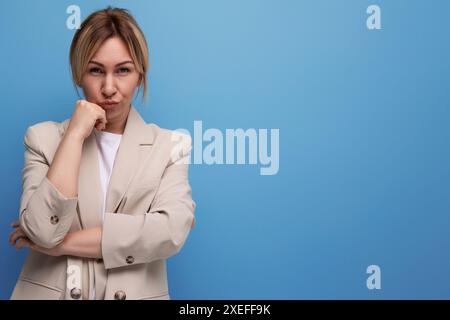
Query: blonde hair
[[100, 26]]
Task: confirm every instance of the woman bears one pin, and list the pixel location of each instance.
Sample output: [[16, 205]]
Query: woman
[[106, 198]]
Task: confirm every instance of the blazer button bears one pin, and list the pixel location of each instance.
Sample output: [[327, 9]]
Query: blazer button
[[130, 259], [75, 293], [120, 295], [54, 219]]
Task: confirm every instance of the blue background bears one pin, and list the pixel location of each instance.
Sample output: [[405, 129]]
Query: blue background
[[364, 138]]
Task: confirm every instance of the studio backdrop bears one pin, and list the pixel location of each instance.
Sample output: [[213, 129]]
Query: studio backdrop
[[321, 138]]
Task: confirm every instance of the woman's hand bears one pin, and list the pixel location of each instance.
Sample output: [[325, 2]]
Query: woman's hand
[[86, 116], [19, 239]]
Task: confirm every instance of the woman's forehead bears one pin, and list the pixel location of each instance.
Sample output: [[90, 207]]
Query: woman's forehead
[[112, 52]]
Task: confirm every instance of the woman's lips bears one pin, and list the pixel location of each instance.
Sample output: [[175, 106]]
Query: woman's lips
[[108, 105]]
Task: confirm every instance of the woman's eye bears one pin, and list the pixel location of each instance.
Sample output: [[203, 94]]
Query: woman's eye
[[95, 71], [123, 70]]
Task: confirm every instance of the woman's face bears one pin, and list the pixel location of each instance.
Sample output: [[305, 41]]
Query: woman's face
[[111, 79]]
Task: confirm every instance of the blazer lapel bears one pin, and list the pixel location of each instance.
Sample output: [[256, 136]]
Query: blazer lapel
[[129, 158], [89, 187]]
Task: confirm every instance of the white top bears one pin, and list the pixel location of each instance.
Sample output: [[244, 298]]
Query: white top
[[107, 145]]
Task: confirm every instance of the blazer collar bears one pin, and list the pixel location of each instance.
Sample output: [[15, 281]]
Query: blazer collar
[[137, 134]]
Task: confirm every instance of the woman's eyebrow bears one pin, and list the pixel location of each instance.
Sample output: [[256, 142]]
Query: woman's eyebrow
[[100, 64]]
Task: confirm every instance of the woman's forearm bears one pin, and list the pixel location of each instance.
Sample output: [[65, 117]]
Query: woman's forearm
[[64, 170], [84, 243]]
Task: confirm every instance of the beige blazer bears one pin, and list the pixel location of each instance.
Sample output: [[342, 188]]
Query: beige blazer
[[149, 214]]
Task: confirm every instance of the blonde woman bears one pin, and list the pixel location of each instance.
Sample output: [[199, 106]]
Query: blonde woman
[[106, 198]]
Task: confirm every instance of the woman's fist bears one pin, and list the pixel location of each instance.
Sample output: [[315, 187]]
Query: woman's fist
[[86, 116]]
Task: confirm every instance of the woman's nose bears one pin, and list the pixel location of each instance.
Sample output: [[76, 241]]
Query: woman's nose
[[109, 88]]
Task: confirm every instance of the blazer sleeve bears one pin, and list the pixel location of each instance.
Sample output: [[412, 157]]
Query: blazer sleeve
[[159, 233], [45, 214]]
